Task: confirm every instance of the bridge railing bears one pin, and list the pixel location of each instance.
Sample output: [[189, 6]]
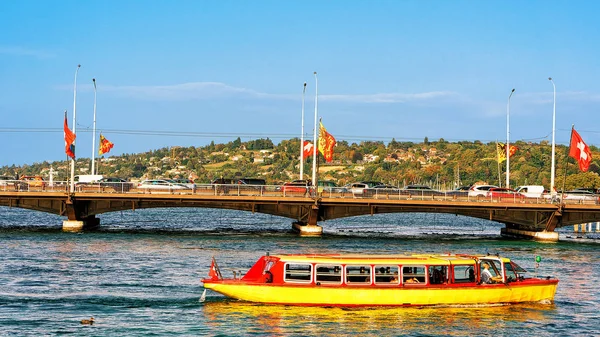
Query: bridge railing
[[283, 191]]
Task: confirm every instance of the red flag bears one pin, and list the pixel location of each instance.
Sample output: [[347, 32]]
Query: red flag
[[326, 143], [69, 139], [580, 151], [307, 149], [512, 150], [105, 145], [212, 273]]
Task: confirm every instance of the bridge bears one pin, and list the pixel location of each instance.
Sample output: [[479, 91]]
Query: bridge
[[535, 218]]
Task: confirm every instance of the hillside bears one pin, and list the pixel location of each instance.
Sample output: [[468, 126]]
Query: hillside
[[440, 164]]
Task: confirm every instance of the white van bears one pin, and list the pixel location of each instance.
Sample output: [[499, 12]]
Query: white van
[[531, 191], [88, 178]]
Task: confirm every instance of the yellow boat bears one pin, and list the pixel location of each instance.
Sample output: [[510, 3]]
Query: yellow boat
[[383, 280]]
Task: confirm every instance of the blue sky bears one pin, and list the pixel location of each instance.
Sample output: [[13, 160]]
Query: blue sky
[[183, 73]]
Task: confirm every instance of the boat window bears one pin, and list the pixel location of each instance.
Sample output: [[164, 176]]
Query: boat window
[[438, 274], [358, 274], [298, 272], [413, 274], [464, 273], [328, 273], [514, 272], [495, 269], [386, 274]]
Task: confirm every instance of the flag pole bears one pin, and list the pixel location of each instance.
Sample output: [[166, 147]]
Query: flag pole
[[314, 167], [498, 160], [74, 127], [302, 137], [508, 140], [94, 131], [567, 163]]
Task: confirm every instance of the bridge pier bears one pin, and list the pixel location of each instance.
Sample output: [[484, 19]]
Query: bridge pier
[[544, 236], [311, 228], [76, 221]]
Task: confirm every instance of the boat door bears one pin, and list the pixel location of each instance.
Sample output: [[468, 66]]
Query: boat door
[[494, 266]]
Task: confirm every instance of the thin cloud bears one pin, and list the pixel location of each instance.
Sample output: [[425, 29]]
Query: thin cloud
[[218, 90], [20, 51], [388, 97]]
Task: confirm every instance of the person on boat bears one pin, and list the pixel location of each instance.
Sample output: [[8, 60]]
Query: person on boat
[[486, 275]]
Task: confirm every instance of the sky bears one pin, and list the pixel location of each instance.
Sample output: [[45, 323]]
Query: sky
[[185, 73]]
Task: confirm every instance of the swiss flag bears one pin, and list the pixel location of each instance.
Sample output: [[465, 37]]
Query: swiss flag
[[307, 149], [212, 273], [580, 151]]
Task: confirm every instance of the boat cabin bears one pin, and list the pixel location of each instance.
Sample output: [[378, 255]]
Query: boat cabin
[[383, 271]]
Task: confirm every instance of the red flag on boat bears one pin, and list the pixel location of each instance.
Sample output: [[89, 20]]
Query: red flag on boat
[[69, 139], [105, 145], [326, 143], [307, 149], [212, 273], [580, 151]]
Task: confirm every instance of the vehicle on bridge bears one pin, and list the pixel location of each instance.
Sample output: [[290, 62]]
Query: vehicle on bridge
[[382, 280], [420, 190], [504, 193], [160, 185], [383, 190], [297, 187], [33, 182], [480, 190]]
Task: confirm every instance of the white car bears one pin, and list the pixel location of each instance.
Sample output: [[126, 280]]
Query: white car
[[480, 190], [160, 184]]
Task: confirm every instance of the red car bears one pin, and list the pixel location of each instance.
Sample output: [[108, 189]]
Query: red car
[[297, 187], [502, 192]]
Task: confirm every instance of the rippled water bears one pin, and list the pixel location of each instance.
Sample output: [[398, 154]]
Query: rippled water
[[139, 274]]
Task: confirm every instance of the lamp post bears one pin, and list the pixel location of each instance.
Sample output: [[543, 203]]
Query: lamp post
[[94, 131], [508, 140], [314, 172], [74, 127], [302, 137], [552, 169]]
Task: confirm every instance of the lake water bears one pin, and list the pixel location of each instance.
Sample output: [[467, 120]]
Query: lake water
[[139, 275]]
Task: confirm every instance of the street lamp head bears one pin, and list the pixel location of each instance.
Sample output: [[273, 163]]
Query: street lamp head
[[315, 72], [79, 66], [513, 90], [94, 80], [304, 83], [549, 78]]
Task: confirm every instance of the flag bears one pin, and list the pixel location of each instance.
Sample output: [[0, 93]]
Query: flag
[[69, 139], [307, 149], [326, 143], [580, 151], [105, 145], [213, 273], [501, 150]]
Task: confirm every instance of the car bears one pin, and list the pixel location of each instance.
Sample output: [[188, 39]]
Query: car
[[329, 186], [420, 190], [297, 187], [382, 190], [160, 184], [581, 195], [34, 181], [7, 181], [118, 184], [183, 181], [371, 183], [251, 181], [503, 192], [480, 190]]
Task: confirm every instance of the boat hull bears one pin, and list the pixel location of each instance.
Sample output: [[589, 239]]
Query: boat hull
[[311, 295]]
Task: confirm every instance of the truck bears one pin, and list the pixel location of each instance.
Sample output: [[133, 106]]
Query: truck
[[531, 191], [88, 178]]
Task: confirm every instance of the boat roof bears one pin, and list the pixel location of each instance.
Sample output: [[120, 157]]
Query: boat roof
[[386, 259]]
